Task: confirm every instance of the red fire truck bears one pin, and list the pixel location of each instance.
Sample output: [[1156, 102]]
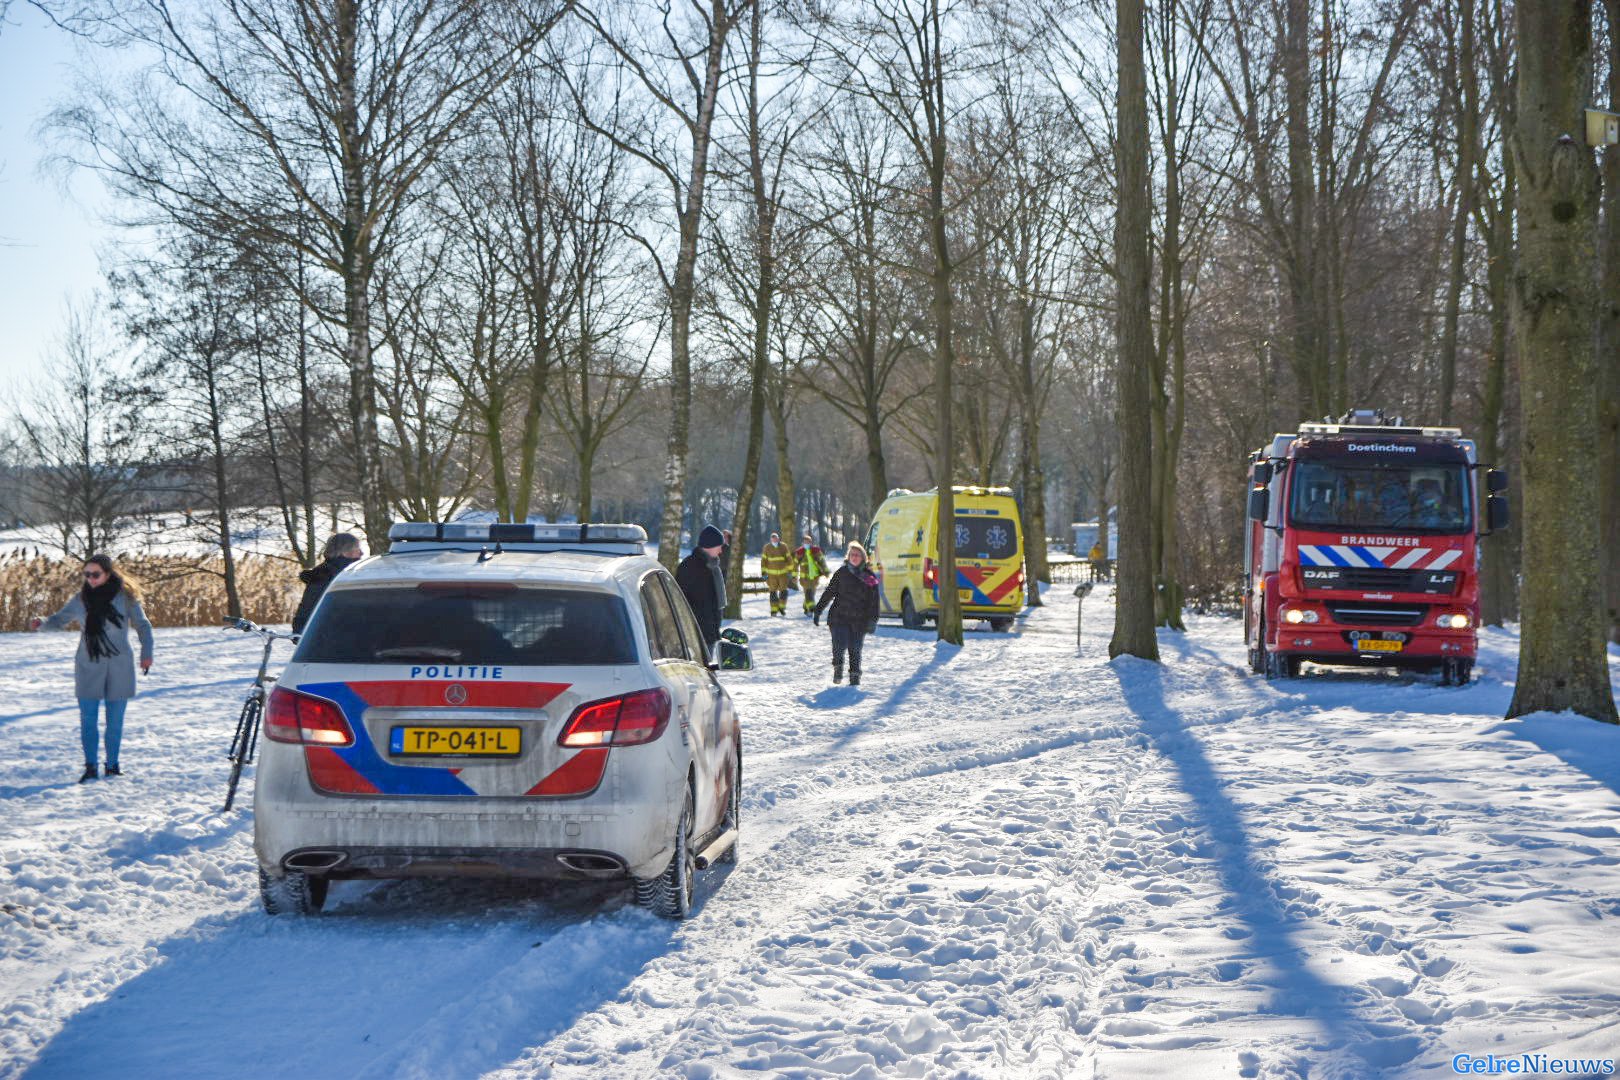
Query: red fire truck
[[1363, 547]]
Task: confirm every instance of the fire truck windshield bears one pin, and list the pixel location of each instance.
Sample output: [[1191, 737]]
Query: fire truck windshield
[[1427, 498]]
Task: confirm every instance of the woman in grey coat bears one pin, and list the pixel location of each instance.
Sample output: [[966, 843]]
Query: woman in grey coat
[[104, 668]]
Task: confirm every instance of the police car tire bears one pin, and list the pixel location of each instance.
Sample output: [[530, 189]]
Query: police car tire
[[670, 894], [293, 893], [733, 812]]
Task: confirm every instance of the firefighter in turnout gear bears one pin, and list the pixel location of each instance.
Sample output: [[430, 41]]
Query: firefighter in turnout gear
[[776, 563], [809, 566]]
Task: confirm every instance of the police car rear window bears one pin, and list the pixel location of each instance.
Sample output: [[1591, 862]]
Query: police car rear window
[[468, 624]]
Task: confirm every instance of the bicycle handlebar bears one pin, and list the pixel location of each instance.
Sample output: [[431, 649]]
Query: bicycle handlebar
[[249, 627]]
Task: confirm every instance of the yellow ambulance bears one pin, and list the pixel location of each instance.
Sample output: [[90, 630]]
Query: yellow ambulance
[[989, 554]]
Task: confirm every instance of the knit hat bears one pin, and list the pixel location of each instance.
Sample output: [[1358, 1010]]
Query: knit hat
[[710, 537]]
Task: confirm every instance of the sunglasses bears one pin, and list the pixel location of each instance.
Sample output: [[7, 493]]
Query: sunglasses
[[93, 575]]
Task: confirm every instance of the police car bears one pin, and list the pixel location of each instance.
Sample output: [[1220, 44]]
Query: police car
[[500, 700]]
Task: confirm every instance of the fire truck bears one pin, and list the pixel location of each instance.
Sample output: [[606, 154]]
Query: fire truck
[[1363, 547]]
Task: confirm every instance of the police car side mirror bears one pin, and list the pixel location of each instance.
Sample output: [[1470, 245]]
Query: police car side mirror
[[1259, 504], [729, 655], [1496, 513]]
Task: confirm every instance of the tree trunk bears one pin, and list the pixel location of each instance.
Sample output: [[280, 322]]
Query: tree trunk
[[786, 508], [877, 466], [1301, 270], [1496, 592], [682, 289], [1133, 590], [1467, 120], [1609, 342], [764, 296], [1562, 659], [222, 493], [357, 265]]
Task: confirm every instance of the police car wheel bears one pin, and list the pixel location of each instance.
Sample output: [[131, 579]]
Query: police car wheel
[[292, 893], [733, 811], [669, 895]]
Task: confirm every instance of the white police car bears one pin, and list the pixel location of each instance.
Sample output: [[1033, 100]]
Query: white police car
[[500, 700]]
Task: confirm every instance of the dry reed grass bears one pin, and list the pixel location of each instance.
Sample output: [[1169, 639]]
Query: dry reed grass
[[176, 590]]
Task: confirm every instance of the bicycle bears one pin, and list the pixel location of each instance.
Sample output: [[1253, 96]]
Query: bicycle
[[245, 743]]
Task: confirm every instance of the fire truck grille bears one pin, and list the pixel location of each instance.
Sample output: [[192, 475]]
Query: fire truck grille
[[1377, 614], [1377, 580]]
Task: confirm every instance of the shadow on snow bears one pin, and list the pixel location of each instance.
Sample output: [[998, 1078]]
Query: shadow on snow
[[1254, 896], [410, 977]]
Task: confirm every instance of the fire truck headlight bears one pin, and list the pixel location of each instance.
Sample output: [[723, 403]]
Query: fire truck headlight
[[1300, 615], [1454, 620]]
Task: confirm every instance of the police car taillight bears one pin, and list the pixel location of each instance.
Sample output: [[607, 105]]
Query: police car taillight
[[620, 721], [292, 717]]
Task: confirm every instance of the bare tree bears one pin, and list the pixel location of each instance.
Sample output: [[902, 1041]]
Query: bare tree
[[676, 51], [341, 109], [81, 451], [1133, 610]]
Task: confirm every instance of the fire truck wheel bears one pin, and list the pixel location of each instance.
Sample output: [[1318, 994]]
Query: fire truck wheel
[[1281, 666], [1456, 672]]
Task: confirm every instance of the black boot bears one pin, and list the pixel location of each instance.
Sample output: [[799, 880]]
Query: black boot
[[838, 674], [854, 677], [113, 770], [89, 772]]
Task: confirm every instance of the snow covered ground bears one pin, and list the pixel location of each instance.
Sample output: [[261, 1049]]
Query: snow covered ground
[[1004, 860]]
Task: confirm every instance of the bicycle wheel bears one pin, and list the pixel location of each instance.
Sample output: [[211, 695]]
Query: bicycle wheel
[[242, 746]]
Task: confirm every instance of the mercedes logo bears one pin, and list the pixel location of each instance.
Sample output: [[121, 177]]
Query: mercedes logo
[[455, 694]]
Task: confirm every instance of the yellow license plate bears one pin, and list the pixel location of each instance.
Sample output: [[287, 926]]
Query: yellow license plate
[[1375, 645], [456, 741]]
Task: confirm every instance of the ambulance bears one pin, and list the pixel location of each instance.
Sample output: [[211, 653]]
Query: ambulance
[[903, 543]]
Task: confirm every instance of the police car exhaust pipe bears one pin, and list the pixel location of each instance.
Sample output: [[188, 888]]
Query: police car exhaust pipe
[[721, 845], [591, 864], [315, 861]]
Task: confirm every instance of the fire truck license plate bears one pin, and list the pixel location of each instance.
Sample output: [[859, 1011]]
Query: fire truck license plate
[[456, 741], [1374, 645]]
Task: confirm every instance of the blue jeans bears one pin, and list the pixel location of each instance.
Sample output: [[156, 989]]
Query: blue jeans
[[87, 728]]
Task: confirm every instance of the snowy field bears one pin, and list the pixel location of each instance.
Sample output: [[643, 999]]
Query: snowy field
[[1004, 860]]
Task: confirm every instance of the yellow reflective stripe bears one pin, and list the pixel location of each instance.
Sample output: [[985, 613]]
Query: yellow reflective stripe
[[998, 579]]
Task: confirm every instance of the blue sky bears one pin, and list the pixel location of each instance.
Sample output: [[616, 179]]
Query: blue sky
[[48, 236]]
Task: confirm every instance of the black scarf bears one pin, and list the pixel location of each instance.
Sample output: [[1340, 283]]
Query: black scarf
[[99, 611]]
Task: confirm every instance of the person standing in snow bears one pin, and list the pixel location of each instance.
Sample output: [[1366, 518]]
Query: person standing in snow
[[703, 582], [810, 564], [104, 667], [853, 594], [342, 551], [776, 563]]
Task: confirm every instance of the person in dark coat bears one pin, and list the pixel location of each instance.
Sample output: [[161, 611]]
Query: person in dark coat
[[702, 579], [853, 593], [342, 551], [107, 607]]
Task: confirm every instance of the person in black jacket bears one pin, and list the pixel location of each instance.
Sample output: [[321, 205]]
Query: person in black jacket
[[853, 594], [342, 551], [703, 582]]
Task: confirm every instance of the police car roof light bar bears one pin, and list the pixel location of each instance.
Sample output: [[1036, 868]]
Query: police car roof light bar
[[623, 539]]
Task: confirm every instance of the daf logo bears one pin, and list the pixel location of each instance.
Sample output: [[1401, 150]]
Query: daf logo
[[455, 694], [1321, 574]]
